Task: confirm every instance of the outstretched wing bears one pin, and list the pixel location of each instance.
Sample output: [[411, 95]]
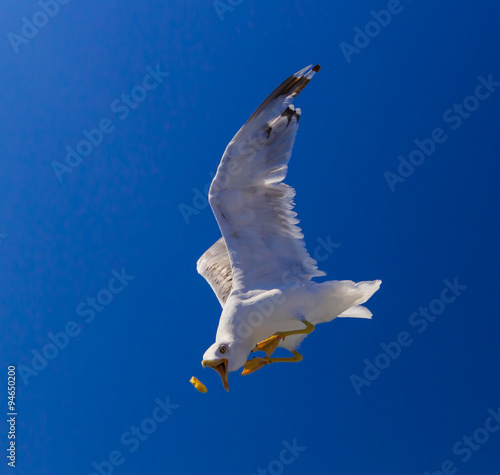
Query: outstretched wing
[[215, 267], [253, 206]]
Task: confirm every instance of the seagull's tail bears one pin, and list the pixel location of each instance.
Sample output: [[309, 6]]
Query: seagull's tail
[[365, 289], [336, 298], [343, 298]]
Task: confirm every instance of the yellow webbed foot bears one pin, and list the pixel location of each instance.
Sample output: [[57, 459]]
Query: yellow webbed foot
[[269, 345], [254, 364]]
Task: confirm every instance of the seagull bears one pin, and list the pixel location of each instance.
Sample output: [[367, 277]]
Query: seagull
[[260, 269]]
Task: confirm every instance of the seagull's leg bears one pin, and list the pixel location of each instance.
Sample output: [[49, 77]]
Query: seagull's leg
[[291, 359], [256, 363], [270, 344]]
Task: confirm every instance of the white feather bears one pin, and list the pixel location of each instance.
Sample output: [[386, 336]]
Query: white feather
[[260, 269]]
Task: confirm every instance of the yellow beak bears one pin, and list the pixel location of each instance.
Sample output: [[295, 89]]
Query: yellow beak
[[221, 366]]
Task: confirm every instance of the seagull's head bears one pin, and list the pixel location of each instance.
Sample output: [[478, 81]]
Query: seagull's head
[[225, 357]]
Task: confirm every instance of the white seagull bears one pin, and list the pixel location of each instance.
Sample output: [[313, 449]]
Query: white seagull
[[260, 269]]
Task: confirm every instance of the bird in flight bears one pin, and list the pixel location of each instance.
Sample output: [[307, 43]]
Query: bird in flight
[[260, 269]]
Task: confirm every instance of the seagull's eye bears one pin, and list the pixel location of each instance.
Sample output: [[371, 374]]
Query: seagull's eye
[[222, 349]]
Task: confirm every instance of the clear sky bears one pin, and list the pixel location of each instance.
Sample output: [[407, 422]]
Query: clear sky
[[115, 115]]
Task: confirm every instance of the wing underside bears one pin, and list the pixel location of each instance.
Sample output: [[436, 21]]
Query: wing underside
[[252, 205], [215, 267]]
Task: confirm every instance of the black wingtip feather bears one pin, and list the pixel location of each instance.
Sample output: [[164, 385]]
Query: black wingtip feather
[[291, 86]]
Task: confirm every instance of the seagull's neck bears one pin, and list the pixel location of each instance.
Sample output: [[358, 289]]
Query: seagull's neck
[[232, 325], [229, 329]]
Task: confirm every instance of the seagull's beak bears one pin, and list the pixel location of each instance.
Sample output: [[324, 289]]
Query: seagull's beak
[[220, 366]]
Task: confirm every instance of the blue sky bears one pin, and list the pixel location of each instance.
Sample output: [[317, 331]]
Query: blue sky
[[168, 85]]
